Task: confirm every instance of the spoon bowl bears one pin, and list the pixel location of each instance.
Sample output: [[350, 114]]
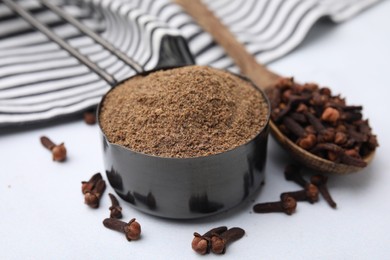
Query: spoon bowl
[[312, 161]]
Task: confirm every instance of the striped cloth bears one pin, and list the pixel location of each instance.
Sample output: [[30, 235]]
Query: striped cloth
[[41, 82]]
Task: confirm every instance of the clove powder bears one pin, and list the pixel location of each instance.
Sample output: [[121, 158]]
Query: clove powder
[[183, 112]]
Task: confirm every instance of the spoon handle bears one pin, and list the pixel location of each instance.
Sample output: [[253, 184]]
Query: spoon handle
[[248, 65]]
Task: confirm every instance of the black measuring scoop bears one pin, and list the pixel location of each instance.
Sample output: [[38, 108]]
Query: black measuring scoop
[[180, 188]]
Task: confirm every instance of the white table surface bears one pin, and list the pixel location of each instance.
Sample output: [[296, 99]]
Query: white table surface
[[42, 214]]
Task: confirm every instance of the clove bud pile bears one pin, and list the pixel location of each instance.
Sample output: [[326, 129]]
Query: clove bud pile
[[321, 123]]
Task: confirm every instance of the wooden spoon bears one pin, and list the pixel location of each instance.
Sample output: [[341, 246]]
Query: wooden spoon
[[264, 79]]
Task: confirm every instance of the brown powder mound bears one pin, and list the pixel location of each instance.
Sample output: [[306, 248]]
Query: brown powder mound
[[185, 112]]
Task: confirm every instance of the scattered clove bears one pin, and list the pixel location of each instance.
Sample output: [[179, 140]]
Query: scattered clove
[[309, 193], [89, 117], [219, 242], [132, 230], [286, 204], [58, 151], [115, 209], [87, 186], [320, 181], [202, 243], [92, 198]]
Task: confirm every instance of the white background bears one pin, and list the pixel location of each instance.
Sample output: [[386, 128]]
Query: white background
[[42, 214]]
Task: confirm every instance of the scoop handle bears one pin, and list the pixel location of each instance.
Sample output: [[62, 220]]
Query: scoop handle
[[248, 65], [90, 33]]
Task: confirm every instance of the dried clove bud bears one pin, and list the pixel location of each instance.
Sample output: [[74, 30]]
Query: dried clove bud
[[353, 153], [286, 205], [305, 140], [87, 186], [202, 243], [115, 209], [219, 242], [293, 101], [301, 108], [340, 138], [92, 198], [132, 230], [325, 134], [58, 151], [90, 117], [337, 152], [326, 91]]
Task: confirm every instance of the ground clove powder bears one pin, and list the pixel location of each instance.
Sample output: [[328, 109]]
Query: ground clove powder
[[184, 112]]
